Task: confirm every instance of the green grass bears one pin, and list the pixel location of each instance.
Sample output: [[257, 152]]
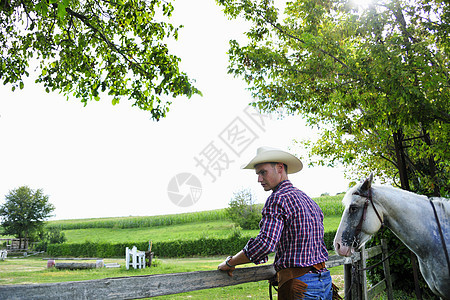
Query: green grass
[[34, 270], [331, 223], [156, 234]]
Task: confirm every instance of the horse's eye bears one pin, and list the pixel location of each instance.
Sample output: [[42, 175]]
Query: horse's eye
[[353, 209]]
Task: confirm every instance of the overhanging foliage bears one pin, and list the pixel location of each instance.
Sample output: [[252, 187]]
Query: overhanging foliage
[[361, 75], [91, 48]]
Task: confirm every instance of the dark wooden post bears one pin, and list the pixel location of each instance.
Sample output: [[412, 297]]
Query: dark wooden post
[[348, 282], [387, 270], [363, 273], [401, 162]]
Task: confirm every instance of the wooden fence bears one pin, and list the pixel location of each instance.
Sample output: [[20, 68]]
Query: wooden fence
[[355, 277], [15, 245], [136, 287]]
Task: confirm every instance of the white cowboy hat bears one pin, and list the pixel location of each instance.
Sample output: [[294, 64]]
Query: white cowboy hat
[[268, 154]]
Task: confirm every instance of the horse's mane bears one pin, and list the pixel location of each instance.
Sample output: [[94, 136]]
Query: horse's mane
[[389, 188]]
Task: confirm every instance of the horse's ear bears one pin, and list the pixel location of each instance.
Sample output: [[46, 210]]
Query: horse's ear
[[367, 184]]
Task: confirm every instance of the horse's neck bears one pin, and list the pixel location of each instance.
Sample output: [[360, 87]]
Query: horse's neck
[[405, 214]]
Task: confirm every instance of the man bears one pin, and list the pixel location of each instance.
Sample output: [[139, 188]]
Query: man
[[292, 227]]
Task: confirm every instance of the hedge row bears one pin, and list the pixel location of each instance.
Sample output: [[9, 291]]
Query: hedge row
[[178, 248]]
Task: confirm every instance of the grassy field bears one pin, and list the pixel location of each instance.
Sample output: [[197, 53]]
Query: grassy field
[[155, 228], [212, 223], [165, 233], [330, 205]]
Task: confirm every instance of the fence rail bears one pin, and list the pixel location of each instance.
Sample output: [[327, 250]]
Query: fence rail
[[136, 287], [356, 282]]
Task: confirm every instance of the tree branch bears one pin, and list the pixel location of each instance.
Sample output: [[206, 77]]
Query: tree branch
[[28, 15], [85, 21]]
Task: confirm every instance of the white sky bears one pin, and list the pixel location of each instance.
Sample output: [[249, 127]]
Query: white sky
[[108, 161]]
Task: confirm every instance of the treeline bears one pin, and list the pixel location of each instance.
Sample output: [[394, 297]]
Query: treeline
[[330, 205], [179, 248]]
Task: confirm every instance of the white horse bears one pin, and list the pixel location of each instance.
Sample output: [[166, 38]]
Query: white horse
[[410, 217]]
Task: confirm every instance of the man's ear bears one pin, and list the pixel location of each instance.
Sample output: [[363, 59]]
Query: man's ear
[[280, 167]]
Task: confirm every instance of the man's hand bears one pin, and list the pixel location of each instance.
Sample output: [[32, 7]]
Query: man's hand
[[232, 261], [223, 267]]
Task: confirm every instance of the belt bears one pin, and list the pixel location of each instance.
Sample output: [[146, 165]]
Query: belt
[[289, 273]]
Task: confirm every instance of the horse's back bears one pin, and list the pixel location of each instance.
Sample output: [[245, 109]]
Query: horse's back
[[442, 206]]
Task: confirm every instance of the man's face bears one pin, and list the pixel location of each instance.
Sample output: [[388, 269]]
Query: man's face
[[269, 175]]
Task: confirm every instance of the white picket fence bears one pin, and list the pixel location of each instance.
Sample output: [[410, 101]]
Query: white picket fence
[[3, 254], [135, 258]]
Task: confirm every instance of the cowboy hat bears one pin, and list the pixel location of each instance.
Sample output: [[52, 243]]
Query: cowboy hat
[[268, 154]]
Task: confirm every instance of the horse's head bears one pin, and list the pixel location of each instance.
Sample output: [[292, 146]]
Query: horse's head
[[359, 220]]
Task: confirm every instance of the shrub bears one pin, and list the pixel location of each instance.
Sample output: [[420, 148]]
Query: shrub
[[50, 236], [328, 238], [399, 262], [243, 211]]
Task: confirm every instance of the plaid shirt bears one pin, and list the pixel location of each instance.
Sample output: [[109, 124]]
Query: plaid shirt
[[292, 226]]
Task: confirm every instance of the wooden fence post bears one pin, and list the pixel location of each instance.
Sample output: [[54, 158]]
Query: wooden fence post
[[387, 270], [348, 286], [363, 274], [352, 282]]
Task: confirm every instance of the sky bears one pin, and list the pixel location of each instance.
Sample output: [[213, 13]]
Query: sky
[[110, 161]]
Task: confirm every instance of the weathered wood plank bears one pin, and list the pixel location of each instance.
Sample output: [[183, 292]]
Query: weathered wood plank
[[387, 270], [379, 288], [362, 262], [75, 266], [136, 287], [348, 288], [374, 251], [72, 258], [336, 260], [376, 289]]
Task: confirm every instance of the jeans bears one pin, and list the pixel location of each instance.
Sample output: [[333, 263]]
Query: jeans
[[319, 286]]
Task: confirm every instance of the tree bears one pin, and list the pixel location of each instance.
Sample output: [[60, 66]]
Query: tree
[[243, 211], [375, 80], [52, 235], [89, 48], [24, 212]]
